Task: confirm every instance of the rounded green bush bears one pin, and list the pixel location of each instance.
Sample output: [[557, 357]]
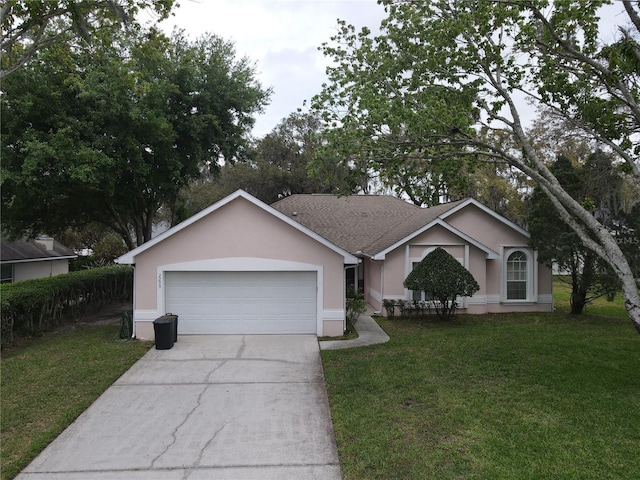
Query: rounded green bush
[[443, 279]]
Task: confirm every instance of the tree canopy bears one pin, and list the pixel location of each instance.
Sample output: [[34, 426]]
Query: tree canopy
[[112, 134], [275, 166], [278, 165], [28, 26], [443, 73]]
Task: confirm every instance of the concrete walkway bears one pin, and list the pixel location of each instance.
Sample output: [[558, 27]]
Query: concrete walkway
[[226, 407], [369, 333]]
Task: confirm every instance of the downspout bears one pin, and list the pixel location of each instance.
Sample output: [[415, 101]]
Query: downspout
[[382, 285], [133, 302], [133, 319]]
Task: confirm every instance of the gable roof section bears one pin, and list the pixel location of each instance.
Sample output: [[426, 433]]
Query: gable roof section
[[415, 224], [23, 251], [374, 225], [487, 210], [438, 221], [129, 258], [366, 224]]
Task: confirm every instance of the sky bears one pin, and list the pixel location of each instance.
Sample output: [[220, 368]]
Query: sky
[[282, 37]]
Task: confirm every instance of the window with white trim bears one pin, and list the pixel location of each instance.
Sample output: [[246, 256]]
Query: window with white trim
[[6, 275], [517, 276]]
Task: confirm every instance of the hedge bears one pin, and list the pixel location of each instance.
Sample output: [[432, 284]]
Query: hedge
[[32, 306]]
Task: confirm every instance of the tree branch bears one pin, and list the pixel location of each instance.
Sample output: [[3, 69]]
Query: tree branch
[[633, 15], [598, 67]]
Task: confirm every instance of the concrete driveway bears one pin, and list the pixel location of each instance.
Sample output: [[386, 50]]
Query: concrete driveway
[[213, 407]]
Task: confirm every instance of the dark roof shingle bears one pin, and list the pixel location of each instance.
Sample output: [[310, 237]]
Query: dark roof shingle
[[24, 250], [359, 223]]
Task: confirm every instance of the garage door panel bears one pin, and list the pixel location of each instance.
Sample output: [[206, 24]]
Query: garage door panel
[[243, 302]]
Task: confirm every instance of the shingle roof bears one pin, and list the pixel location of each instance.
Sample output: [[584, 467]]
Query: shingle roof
[[360, 223], [25, 250]]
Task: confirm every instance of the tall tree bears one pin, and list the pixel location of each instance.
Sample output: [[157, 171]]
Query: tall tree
[[112, 134], [446, 69], [276, 166], [607, 188], [282, 159], [28, 26], [557, 244]]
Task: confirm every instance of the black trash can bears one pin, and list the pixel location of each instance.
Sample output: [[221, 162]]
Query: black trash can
[[175, 330], [165, 331]]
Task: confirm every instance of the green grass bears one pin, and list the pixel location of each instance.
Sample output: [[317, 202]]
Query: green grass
[[599, 307], [517, 396], [48, 381], [497, 396]]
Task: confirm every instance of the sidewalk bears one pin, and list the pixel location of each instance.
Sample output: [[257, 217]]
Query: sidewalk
[[368, 330]]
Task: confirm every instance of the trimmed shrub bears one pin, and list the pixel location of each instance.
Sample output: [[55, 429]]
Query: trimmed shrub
[[442, 278], [390, 307], [355, 306], [32, 306]]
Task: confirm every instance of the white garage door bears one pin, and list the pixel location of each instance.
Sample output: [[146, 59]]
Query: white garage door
[[242, 302]]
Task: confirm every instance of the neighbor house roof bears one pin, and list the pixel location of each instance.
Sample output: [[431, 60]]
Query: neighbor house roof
[[369, 224], [24, 250]]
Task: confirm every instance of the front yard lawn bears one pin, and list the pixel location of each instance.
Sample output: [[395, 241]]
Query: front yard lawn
[[526, 396], [501, 396], [49, 381]]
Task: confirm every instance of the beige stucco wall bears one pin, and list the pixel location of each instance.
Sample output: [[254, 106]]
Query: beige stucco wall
[[496, 235], [545, 280], [240, 229], [41, 269], [394, 273], [373, 283], [487, 230], [396, 263]]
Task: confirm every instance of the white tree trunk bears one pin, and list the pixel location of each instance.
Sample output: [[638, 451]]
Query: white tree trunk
[[592, 233], [606, 248]]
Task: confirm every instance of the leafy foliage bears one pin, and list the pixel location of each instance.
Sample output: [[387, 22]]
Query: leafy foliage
[[355, 307], [557, 243], [29, 26], [32, 306], [111, 135], [444, 73], [443, 279], [390, 307], [278, 165]]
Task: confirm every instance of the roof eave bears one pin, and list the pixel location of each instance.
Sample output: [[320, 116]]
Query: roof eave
[[38, 259], [129, 257], [497, 216], [491, 254]]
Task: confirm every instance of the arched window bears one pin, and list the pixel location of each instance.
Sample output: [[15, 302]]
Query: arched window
[[517, 276]]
